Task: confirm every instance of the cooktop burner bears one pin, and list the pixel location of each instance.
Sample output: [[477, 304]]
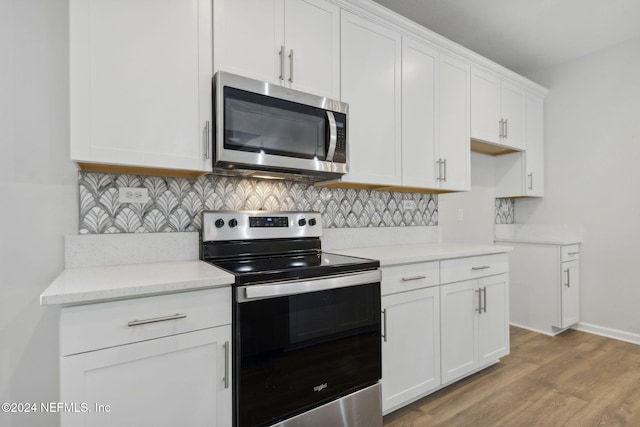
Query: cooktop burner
[[260, 246]]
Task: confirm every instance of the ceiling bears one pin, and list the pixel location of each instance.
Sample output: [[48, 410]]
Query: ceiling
[[527, 35]]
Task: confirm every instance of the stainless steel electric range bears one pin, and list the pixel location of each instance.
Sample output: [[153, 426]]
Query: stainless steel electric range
[[306, 323]]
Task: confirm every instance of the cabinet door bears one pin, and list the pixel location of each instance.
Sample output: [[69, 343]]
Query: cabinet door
[[171, 381], [454, 118], [140, 82], [485, 107], [459, 305], [249, 38], [534, 156], [513, 101], [493, 319], [419, 114], [570, 294], [371, 84], [312, 43], [410, 347]]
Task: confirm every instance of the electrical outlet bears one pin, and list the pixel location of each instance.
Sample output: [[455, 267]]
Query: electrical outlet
[[409, 205], [133, 195]]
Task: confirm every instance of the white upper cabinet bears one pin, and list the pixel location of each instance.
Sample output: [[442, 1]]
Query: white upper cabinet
[[420, 64], [371, 84], [486, 118], [140, 83], [497, 110], [454, 122], [295, 43], [534, 156], [521, 174]]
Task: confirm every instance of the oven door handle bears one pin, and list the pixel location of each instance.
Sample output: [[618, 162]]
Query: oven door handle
[[282, 289]]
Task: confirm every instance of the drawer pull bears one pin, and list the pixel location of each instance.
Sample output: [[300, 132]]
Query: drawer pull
[[484, 267], [573, 253], [157, 319], [408, 279]]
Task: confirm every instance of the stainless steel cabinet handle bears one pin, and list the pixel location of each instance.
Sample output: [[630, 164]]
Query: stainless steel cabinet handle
[[479, 292], [484, 267], [439, 163], [501, 128], [384, 324], [445, 170], [484, 306], [506, 129], [207, 145], [226, 364], [568, 284], [291, 66], [157, 319], [573, 253], [281, 53], [408, 279], [531, 181]]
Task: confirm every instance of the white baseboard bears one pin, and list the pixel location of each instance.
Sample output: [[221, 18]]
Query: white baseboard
[[608, 332], [539, 331]]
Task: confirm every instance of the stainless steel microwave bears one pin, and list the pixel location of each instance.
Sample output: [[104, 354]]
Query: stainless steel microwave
[[265, 129]]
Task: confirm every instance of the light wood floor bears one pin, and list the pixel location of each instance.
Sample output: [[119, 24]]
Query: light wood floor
[[573, 379]]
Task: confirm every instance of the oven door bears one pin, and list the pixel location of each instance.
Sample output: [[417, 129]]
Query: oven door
[[302, 344]]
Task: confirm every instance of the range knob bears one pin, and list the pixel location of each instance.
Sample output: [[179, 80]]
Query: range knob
[[302, 222], [219, 223], [233, 222], [312, 222]]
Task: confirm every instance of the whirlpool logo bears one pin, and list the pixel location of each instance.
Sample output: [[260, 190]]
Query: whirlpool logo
[[320, 387]]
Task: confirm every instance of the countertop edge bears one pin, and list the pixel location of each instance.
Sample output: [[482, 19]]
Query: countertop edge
[[540, 242], [423, 252], [55, 294]]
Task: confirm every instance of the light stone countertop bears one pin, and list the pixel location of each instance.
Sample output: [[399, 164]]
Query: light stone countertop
[[409, 254], [97, 284]]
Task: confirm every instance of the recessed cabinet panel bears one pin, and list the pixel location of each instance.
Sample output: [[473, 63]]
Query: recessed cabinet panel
[[312, 33], [249, 37], [183, 374], [493, 326], [140, 80], [371, 84], [485, 107], [454, 122], [570, 294], [534, 155], [411, 346], [420, 65], [513, 114]]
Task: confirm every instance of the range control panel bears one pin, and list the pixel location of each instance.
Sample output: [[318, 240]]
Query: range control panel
[[249, 225]]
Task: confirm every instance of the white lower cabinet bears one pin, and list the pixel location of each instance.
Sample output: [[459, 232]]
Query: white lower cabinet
[[474, 324], [545, 288], [442, 320], [179, 378], [410, 346]]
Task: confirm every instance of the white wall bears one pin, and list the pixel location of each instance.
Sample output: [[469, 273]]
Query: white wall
[[592, 162], [38, 196], [478, 206]]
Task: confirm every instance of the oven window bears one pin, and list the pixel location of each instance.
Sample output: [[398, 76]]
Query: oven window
[[301, 351], [259, 123]]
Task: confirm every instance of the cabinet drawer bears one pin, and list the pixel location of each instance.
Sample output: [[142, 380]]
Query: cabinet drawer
[[569, 252], [95, 326], [409, 277], [456, 270]]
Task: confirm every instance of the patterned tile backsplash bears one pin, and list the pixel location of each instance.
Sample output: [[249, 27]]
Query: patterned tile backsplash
[[505, 211], [175, 204]]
